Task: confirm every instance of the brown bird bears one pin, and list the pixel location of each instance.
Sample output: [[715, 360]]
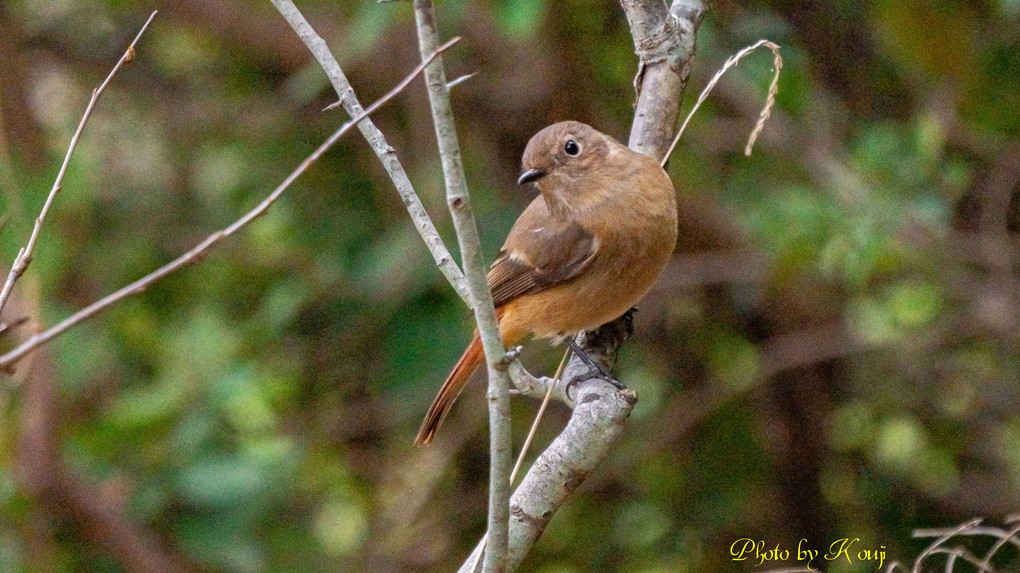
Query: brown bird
[[583, 252]]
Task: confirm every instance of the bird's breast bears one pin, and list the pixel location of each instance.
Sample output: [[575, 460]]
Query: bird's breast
[[635, 241]]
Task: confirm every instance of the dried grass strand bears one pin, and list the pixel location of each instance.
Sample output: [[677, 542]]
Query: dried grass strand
[[770, 100]]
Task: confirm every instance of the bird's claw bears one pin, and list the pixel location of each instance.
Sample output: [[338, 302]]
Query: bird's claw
[[590, 374]]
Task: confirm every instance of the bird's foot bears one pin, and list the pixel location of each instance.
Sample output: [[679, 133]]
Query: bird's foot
[[590, 374], [595, 370], [512, 354]]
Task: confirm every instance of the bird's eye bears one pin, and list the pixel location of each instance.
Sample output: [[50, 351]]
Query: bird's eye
[[571, 147]]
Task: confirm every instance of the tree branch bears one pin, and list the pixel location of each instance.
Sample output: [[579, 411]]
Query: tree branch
[[25, 254], [664, 44], [598, 421], [500, 461], [200, 250], [525, 384], [375, 138]]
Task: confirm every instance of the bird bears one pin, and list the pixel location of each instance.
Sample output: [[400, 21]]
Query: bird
[[583, 252]]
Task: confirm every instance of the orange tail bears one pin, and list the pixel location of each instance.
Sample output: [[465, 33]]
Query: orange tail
[[465, 367]]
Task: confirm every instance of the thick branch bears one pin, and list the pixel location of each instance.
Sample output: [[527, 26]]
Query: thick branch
[[457, 197], [199, 251], [664, 44], [596, 424], [375, 138]]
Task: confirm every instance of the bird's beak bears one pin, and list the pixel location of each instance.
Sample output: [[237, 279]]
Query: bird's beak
[[530, 175]]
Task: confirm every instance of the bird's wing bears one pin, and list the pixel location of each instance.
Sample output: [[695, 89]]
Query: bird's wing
[[540, 251]]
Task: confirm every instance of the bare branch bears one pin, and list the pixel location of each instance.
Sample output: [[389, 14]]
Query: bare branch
[[972, 527], [942, 536], [538, 416], [664, 44], [599, 417], [474, 267], [199, 251], [25, 253], [596, 425], [375, 138], [460, 80], [525, 384], [474, 560]]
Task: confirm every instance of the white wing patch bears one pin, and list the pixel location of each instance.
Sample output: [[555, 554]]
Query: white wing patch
[[518, 257]]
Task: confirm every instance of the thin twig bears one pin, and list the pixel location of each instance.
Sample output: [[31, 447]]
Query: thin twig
[[195, 254], [973, 527], [777, 63], [460, 80], [422, 222], [1004, 538], [25, 253], [945, 535], [474, 267], [955, 553], [5, 326]]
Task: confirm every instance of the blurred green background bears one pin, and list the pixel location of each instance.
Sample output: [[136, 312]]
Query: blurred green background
[[832, 353]]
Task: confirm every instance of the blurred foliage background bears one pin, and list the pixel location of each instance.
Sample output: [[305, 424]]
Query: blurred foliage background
[[834, 351]]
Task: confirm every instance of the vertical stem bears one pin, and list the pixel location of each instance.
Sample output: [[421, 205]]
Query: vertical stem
[[459, 202], [664, 44]]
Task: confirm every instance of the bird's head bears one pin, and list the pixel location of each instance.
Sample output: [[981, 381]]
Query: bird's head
[[562, 155]]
